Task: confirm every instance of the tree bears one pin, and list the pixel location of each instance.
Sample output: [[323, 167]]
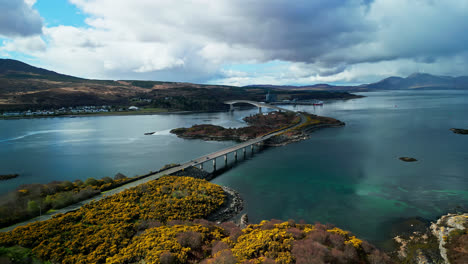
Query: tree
[[33, 207]]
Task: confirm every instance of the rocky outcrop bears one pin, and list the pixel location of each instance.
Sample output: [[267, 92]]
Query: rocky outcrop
[[459, 131], [445, 229], [8, 176], [408, 159], [193, 172], [232, 206]]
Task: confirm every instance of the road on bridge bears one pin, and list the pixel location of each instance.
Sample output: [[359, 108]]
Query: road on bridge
[[169, 171]]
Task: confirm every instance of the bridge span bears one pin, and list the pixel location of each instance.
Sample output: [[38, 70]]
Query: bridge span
[[198, 162], [260, 105]]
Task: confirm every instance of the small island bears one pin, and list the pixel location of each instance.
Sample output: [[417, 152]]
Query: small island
[[459, 131], [408, 159], [8, 177], [262, 125]]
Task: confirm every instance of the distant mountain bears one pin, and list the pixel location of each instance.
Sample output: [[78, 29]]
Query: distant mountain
[[420, 81], [414, 81], [20, 70], [315, 87]]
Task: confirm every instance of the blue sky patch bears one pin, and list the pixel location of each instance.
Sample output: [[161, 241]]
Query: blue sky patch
[[60, 12]]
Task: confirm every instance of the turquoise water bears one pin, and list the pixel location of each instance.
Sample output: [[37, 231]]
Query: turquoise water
[[348, 176], [352, 176]]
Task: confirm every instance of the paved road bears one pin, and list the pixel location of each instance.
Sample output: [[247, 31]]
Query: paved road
[[194, 162]]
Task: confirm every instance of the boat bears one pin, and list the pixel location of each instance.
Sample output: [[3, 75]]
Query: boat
[[317, 102], [149, 133]]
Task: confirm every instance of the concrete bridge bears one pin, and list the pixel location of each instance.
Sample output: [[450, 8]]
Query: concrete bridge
[[260, 105], [198, 162]]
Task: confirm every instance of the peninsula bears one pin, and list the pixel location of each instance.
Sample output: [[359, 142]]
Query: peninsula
[[260, 125]]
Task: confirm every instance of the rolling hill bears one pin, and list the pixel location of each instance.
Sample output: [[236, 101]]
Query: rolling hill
[[25, 87]]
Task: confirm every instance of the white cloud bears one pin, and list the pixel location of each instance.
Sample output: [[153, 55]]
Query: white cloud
[[323, 40], [30, 3], [25, 45]]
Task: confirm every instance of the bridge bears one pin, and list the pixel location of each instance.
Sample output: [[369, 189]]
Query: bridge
[[260, 105], [198, 162]]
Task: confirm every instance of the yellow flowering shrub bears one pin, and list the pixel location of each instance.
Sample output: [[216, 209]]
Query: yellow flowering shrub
[[101, 229], [349, 240], [149, 246], [256, 243], [155, 223]]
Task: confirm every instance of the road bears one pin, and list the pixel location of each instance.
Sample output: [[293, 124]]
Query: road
[[194, 162]]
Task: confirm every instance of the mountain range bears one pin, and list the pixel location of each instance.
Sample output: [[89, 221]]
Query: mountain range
[[23, 86], [414, 81]]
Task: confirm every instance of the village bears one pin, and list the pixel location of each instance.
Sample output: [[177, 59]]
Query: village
[[69, 111]]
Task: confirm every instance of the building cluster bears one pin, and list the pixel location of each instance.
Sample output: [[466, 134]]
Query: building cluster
[[270, 97], [63, 111]]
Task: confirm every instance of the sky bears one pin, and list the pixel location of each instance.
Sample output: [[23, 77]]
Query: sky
[[238, 42]]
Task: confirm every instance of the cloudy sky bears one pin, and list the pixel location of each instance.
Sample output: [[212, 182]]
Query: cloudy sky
[[238, 42]]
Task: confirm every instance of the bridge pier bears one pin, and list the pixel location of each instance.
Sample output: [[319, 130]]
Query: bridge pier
[[231, 107], [225, 160], [214, 164], [243, 150], [201, 166], [259, 110], [235, 155], [252, 149]]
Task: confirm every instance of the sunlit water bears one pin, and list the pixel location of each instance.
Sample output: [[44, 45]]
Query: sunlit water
[[348, 176], [352, 176]]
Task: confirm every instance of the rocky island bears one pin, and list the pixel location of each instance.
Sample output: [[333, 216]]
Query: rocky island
[[8, 176], [261, 125], [408, 159], [459, 131]]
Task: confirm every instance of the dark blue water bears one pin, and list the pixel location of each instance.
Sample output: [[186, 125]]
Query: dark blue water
[[348, 176]]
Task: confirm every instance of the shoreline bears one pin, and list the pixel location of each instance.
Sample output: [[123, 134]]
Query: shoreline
[[107, 114]]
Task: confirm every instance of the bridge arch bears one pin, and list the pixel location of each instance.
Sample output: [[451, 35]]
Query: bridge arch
[[257, 104]]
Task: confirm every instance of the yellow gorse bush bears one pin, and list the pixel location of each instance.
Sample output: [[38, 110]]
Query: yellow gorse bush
[[154, 223], [101, 229]]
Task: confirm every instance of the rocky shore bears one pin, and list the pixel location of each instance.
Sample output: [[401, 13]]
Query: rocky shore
[[233, 205], [445, 241], [299, 135], [194, 172]]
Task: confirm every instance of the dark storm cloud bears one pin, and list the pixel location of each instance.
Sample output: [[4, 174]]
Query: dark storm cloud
[[198, 40], [336, 33], [297, 31], [18, 19]]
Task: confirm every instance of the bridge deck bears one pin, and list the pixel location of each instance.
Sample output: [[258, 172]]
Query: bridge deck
[[183, 166], [257, 104]]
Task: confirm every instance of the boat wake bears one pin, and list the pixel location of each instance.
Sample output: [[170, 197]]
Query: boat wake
[[163, 132], [46, 132]]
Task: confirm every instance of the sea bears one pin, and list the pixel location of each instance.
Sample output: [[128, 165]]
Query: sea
[[350, 176]]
